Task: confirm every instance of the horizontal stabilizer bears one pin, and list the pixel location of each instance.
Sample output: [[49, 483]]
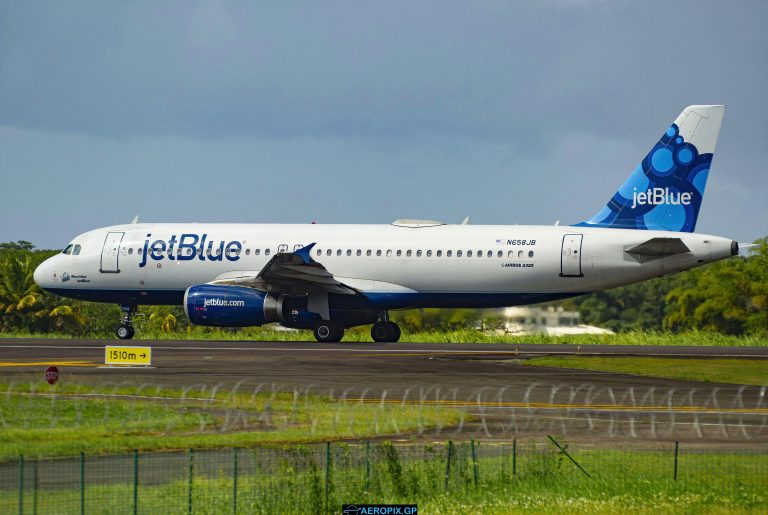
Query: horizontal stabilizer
[[659, 247]]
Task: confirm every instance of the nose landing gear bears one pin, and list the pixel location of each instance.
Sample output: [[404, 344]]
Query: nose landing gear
[[125, 330]]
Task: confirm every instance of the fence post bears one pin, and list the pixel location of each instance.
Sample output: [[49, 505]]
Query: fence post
[[367, 463], [514, 456], [82, 483], [189, 482], [234, 480], [474, 461], [677, 450], [21, 484], [327, 475], [35, 479], [448, 464], [135, 481]]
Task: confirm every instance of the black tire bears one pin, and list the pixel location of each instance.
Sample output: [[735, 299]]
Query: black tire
[[380, 332], [385, 332], [124, 332], [394, 332], [328, 331]]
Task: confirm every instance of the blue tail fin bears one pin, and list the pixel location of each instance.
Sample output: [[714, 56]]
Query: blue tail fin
[[665, 191]]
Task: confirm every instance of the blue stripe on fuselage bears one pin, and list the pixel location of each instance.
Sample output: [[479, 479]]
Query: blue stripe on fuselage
[[371, 300]]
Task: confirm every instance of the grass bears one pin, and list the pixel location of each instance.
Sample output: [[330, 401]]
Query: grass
[[713, 370], [691, 338], [300, 480], [74, 418]]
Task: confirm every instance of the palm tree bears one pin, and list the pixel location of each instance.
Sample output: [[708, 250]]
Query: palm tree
[[19, 294]]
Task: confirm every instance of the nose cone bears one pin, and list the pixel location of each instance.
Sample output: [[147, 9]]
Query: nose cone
[[41, 275]]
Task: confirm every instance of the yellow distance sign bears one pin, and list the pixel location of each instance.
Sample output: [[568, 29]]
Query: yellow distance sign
[[120, 355]]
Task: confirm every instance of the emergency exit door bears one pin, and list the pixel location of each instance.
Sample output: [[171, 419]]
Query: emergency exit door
[[570, 256], [110, 254]]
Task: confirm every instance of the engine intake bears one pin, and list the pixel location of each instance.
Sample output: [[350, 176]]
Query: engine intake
[[231, 306]]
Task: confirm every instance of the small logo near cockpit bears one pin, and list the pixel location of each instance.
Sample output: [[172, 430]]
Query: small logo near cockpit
[[64, 277]]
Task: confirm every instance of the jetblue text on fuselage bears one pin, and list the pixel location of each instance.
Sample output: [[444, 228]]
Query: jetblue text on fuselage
[[656, 196], [176, 249]]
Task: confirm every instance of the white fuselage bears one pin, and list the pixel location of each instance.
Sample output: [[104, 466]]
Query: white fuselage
[[439, 265]]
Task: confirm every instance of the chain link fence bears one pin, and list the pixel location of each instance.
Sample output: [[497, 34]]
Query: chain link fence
[[320, 478]]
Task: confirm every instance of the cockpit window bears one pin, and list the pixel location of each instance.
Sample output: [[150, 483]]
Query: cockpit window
[[76, 250], [67, 250]]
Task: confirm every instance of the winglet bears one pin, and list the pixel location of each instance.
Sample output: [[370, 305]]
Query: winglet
[[303, 253]]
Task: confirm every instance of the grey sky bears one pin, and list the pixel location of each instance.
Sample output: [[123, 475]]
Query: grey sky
[[509, 112]]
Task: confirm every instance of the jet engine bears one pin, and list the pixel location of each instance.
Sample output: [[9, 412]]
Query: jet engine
[[231, 306]]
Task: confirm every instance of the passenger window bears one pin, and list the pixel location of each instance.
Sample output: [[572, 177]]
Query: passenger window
[[359, 252], [418, 253], [130, 251], [338, 252], [530, 253], [328, 252], [479, 253], [399, 253], [389, 253], [439, 253], [139, 251], [349, 252], [319, 252], [449, 253], [490, 253], [266, 252], [247, 252], [257, 252], [519, 253], [469, 253], [511, 254], [429, 253], [500, 254], [368, 252], [378, 252], [408, 253], [458, 253]]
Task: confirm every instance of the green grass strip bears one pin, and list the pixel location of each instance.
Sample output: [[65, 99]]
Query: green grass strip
[[713, 370]]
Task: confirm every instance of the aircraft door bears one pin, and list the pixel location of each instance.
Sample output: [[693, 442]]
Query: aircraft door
[[110, 254], [570, 256]]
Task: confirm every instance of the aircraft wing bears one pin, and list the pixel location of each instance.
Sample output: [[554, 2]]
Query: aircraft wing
[[290, 273]]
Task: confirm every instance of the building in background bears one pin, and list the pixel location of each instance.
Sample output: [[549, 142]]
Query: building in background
[[552, 321]]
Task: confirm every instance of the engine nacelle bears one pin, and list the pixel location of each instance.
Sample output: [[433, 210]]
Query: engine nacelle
[[231, 306]]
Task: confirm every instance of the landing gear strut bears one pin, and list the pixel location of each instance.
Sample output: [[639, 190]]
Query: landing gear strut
[[384, 330], [125, 330], [327, 331]]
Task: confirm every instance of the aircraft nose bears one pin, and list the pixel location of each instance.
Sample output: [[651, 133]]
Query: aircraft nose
[[41, 274]]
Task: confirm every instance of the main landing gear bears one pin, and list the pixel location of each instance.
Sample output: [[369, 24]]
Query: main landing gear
[[385, 331], [327, 331], [125, 330]]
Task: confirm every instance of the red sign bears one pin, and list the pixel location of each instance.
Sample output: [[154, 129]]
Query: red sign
[[51, 375]]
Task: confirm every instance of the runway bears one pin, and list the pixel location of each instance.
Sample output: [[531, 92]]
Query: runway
[[489, 381]]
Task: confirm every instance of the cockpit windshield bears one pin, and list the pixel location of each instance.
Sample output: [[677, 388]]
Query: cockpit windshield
[[68, 250], [76, 250]]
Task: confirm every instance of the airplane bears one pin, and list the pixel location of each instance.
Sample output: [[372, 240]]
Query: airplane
[[331, 277]]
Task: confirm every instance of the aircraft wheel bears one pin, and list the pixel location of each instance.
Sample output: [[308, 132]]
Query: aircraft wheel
[[327, 331], [394, 332], [385, 332], [124, 332]]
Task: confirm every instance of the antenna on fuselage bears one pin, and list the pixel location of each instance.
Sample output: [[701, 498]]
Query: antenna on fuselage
[[135, 220], [465, 221]]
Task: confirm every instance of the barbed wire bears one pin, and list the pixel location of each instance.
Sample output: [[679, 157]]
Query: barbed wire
[[719, 413]]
